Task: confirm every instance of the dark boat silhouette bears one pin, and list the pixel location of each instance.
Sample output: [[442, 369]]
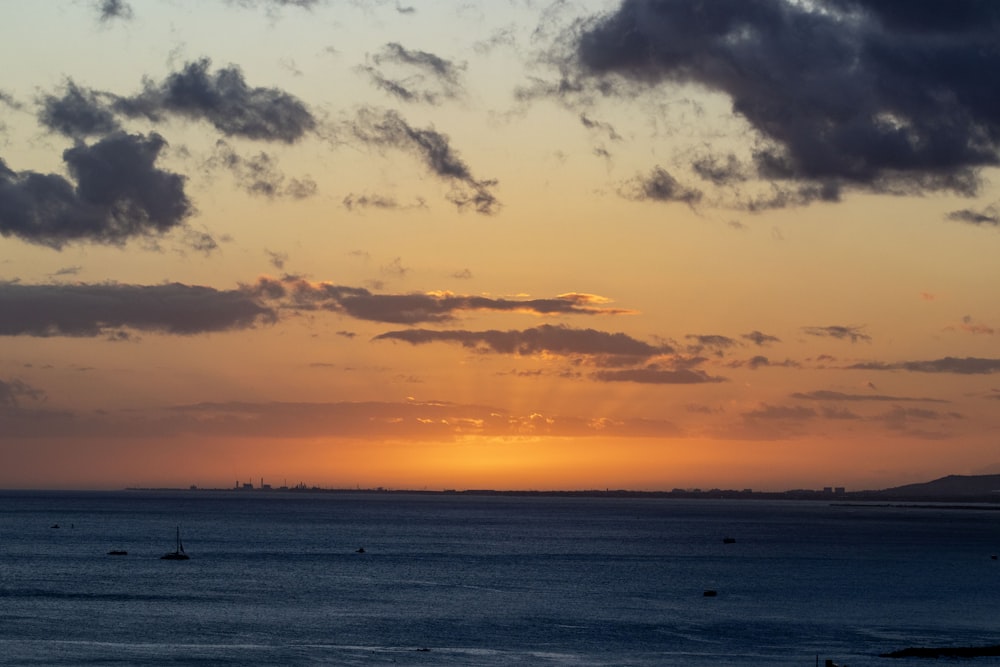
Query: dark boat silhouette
[[118, 552], [178, 553]]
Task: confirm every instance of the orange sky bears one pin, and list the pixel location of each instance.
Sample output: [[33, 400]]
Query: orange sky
[[546, 246]]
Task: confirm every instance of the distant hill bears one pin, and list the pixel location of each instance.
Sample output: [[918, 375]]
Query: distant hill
[[952, 486]]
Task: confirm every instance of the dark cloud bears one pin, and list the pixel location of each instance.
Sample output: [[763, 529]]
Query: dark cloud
[[78, 112], [654, 374], [119, 195], [223, 99], [547, 338], [927, 16], [114, 9], [388, 129], [987, 217], [826, 395], [959, 366], [851, 333], [884, 96], [260, 174], [84, 310], [360, 303], [659, 186], [758, 338]]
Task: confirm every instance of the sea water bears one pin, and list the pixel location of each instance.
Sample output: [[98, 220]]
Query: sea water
[[277, 578]]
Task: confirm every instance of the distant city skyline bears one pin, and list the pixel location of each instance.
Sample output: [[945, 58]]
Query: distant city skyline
[[637, 244]]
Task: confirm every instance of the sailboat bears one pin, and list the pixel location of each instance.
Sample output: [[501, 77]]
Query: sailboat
[[178, 553]]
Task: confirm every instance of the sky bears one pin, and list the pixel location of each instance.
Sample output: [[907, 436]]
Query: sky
[[581, 244]]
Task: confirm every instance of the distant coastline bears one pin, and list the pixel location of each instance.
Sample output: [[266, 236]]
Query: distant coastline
[[970, 492]]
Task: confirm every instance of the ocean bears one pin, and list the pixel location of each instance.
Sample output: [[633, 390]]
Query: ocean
[[276, 578]]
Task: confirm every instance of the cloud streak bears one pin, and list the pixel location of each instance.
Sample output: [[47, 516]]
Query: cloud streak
[[851, 333], [417, 308], [388, 129], [986, 217], [827, 395], [955, 365], [544, 339], [655, 374], [445, 75], [89, 310]]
